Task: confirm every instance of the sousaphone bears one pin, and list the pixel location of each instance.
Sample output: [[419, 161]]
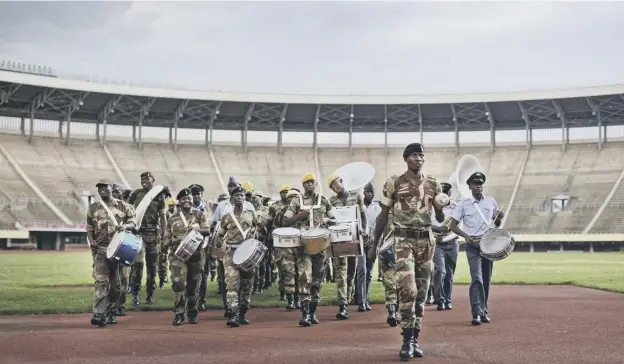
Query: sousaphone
[[355, 175], [467, 165]]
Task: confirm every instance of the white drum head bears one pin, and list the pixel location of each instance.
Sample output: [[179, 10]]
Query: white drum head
[[286, 231], [244, 251], [114, 245], [495, 241]]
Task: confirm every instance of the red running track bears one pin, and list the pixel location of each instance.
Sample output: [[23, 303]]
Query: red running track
[[536, 324]]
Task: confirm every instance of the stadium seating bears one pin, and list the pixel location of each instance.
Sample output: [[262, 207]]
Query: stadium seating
[[63, 172]]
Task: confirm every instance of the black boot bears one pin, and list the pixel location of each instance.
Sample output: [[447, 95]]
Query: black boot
[[418, 353], [297, 303], [407, 350], [178, 319], [136, 299], [290, 305], [149, 300], [342, 314], [161, 280], [242, 316], [361, 307], [367, 306], [99, 320], [121, 311], [282, 296], [392, 319], [227, 313], [313, 318], [111, 319], [305, 314], [233, 319]]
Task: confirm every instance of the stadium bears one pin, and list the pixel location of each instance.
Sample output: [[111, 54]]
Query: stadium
[[560, 184]]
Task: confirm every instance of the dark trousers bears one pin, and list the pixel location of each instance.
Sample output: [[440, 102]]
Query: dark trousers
[[203, 287], [445, 261], [364, 276], [481, 278]]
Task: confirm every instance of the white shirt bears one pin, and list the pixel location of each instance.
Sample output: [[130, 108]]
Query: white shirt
[[448, 211], [466, 212], [372, 211], [219, 211]]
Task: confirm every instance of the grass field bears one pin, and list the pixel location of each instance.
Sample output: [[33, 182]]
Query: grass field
[[60, 282]]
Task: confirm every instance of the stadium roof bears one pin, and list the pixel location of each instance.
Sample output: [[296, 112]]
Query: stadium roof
[[43, 97]]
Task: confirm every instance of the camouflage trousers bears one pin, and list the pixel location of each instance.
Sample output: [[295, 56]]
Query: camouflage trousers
[[124, 275], [413, 267], [343, 274], [287, 259], [163, 259], [185, 280], [311, 274], [387, 273], [237, 281], [150, 249], [107, 283]]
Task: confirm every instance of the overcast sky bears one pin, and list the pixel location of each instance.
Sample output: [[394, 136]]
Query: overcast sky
[[324, 47]]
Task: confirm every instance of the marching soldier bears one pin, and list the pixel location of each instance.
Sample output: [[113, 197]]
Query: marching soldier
[[386, 269], [411, 198], [124, 271], [372, 210], [287, 259], [346, 266], [237, 225], [200, 204], [274, 209], [163, 254], [445, 257], [152, 225], [264, 237], [105, 218], [311, 267], [185, 276], [469, 211]]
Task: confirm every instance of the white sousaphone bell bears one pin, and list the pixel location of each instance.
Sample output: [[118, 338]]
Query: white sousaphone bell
[[355, 175], [466, 167]]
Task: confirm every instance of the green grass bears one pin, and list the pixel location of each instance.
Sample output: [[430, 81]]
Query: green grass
[[38, 282]]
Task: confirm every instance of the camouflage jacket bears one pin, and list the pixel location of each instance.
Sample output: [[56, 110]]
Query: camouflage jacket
[[155, 210], [100, 224], [228, 231], [175, 231], [410, 203], [276, 213], [325, 210]]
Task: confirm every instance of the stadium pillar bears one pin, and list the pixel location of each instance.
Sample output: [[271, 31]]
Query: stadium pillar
[[456, 124], [280, 131], [22, 125], [351, 115], [68, 132], [32, 122], [145, 108], [170, 135], [104, 129], [599, 117], [490, 118], [213, 116], [316, 122], [527, 125], [60, 129], [246, 127], [385, 130]]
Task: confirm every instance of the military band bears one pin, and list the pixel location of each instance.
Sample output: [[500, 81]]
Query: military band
[[423, 231]]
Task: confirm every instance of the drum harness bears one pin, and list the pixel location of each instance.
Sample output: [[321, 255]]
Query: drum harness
[[244, 233]]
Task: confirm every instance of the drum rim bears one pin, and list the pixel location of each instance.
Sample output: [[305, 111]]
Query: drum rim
[[342, 227]]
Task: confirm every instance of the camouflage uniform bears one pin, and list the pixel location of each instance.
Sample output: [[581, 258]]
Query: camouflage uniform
[[124, 270], [386, 269], [262, 214], [311, 267], [105, 271], [237, 280], [414, 242], [163, 256], [287, 259], [345, 266], [149, 232], [185, 276]]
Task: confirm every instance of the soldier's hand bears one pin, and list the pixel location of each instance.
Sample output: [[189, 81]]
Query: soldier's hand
[[120, 228], [304, 213], [500, 214]]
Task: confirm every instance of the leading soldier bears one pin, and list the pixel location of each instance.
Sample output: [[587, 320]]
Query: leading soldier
[[237, 225], [411, 198], [185, 276], [105, 218], [346, 266], [311, 267], [151, 228]]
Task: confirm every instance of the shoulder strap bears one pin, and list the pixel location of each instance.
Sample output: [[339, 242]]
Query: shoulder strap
[[238, 225], [110, 214], [183, 219]]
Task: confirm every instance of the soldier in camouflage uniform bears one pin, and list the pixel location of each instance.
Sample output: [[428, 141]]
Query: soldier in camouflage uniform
[[185, 276], [411, 198], [163, 254], [200, 204], [100, 229], [152, 225], [124, 271], [230, 238], [344, 285], [287, 259], [274, 209], [311, 267], [262, 214]]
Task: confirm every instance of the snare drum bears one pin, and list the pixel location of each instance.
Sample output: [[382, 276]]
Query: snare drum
[[286, 237], [340, 234], [189, 245], [124, 247], [496, 244], [249, 254], [315, 240], [343, 240]]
